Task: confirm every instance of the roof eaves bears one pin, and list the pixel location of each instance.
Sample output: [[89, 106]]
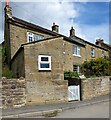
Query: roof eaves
[[77, 39], [31, 25]]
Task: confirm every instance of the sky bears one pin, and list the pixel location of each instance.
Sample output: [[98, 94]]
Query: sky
[[89, 19]]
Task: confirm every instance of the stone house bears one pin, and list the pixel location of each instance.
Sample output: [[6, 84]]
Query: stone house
[[41, 56], [100, 42]]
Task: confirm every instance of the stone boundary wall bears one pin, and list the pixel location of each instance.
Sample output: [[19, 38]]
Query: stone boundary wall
[[21, 92], [13, 92], [94, 87], [46, 91]]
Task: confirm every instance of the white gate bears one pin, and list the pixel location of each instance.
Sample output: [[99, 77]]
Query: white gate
[[73, 92]]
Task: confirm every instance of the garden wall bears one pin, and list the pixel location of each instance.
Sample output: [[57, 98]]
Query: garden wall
[[94, 87], [13, 92]]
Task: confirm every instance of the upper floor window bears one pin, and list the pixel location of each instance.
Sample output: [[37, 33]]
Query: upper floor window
[[76, 50], [30, 37], [92, 52], [34, 37], [44, 62]]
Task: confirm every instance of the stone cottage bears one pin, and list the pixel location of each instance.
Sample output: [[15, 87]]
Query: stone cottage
[[41, 56]]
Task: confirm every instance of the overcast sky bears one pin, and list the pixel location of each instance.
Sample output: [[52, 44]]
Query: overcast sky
[[90, 19]]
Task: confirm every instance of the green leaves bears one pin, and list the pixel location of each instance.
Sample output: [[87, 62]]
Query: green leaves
[[6, 72], [71, 74], [97, 67]]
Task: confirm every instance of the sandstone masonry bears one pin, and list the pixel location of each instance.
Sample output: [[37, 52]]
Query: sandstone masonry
[[94, 87], [13, 92]]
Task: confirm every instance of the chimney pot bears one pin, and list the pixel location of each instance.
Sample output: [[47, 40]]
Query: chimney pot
[[8, 11], [55, 28], [99, 42], [72, 32]]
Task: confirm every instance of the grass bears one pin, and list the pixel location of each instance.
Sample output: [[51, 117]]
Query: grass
[[52, 114]]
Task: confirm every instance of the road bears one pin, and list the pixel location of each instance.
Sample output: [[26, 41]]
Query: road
[[94, 108], [100, 110]]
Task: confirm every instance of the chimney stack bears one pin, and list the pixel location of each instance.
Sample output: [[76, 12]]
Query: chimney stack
[[72, 32], [99, 42], [55, 28], [8, 10]]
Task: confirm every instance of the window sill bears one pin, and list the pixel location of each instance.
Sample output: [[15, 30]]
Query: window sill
[[76, 55], [44, 69]]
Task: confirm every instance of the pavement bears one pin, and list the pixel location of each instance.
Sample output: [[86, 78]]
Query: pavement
[[49, 108]]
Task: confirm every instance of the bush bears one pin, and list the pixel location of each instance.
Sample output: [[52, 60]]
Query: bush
[[97, 67], [71, 74], [6, 72]]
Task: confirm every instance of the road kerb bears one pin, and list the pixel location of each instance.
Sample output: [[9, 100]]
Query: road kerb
[[41, 113]]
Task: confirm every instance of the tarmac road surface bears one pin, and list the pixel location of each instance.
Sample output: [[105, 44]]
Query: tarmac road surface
[[94, 108], [99, 110]]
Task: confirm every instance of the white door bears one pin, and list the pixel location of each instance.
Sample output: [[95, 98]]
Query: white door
[[73, 92]]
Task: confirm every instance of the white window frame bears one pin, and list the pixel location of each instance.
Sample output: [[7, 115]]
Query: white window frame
[[76, 51], [39, 37], [34, 36], [44, 62], [29, 34], [92, 52]]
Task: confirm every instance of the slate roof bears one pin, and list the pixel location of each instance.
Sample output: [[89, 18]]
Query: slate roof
[[77, 40], [31, 26]]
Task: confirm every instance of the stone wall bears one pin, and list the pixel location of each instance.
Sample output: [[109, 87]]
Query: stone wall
[[13, 92], [51, 47], [46, 91], [45, 86], [18, 36], [17, 64], [21, 92], [94, 87]]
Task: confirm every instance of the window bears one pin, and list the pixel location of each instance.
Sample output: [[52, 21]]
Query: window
[[44, 62], [76, 68], [102, 54], [34, 37], [76, 50], [92, 52], [38, 37], [30, 37]]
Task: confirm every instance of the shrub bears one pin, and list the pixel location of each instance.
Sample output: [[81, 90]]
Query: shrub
[[71, 74], [6, 72], [97, 67]]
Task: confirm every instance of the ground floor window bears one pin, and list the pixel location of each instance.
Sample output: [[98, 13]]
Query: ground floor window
[[44, 62], [76, 68]]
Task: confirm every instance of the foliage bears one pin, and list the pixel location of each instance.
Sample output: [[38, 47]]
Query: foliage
[[51, 114], [97, 67], [71, 74], [6, 72], [3, 56]]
